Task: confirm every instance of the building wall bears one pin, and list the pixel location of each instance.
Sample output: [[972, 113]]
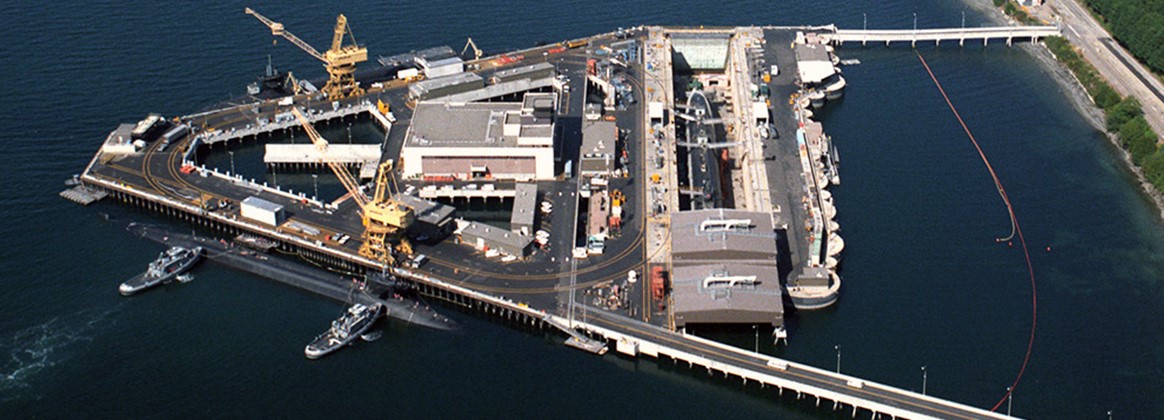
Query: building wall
[[503, 162]]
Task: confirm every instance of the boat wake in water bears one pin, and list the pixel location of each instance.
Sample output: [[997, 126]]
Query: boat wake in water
[[33, 349]]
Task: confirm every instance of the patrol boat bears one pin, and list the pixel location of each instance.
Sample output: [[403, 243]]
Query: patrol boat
[[351, 325], [169, 265]]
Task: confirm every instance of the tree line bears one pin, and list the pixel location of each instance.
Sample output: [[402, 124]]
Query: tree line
[[1124, 116], [1138, 25]]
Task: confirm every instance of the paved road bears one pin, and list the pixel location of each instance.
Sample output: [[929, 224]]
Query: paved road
[[920, 405], [1125, 74]]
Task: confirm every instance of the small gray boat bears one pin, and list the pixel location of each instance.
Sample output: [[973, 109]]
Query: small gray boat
[[350, 326], [170, 264]]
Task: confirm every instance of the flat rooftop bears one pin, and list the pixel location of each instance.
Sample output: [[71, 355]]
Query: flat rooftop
[[599, 137], [495, 235], [524, 206], [426, 211], [308, 153], [813, 63], [436, 124]]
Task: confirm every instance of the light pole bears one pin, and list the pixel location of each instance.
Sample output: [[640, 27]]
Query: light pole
[[231, 153], [349, 133], [923, 380], [963, 20], [315, 182], [864, 28], [756, 328], [915, 21], [838, 349], [1009, 399]]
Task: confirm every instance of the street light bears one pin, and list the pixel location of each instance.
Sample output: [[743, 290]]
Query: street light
[[923, 380], [963, 20], [231, 153], [915, 21], [756, 328], [315, 182], [864, 21], [838, 349], [1009, 399]]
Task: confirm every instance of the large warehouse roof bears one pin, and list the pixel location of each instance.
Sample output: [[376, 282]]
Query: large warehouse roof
[[726, 293], [723, 234]]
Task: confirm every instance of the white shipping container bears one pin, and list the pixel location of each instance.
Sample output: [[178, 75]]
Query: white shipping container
[[261, 211], [406, 73]]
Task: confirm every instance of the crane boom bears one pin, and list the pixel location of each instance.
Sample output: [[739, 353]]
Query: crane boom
[[349, 182], [278, 30], [477, 53], [384, 218], [341, 26]]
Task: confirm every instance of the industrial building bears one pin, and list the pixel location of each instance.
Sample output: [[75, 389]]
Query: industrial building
[[440, 67], [525, 201], [813, 63], [598, 147], [445, 86], [433, 220], [533, 72], [488, 238], [726, 294], [494, 140], [120, 141], [720, 236]]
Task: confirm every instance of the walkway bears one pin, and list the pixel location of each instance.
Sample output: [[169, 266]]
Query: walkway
[[912, 36]]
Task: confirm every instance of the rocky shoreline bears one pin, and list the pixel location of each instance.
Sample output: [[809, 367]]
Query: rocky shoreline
[[1081, 100]]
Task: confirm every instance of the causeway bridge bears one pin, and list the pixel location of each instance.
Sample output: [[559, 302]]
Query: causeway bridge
[[913, 36]]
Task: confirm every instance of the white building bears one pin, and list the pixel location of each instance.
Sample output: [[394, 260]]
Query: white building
[[493, 140]]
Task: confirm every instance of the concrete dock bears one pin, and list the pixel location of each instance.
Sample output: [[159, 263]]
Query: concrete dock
[[550, 288]]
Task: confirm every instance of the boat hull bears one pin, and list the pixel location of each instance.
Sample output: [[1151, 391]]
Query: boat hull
[[144, 281], [327, 343]]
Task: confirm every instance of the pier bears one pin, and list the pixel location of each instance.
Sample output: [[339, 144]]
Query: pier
[[913, 36], [534, 292]]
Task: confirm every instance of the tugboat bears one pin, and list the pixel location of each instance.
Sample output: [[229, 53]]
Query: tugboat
[[169, 265], [350, 326]]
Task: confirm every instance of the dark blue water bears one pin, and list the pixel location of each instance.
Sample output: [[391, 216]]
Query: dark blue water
[[925, 282]]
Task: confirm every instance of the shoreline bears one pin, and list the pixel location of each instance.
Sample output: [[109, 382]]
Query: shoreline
[[1082, 102]]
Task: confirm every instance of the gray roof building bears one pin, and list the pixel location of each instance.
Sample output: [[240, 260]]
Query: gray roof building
[[726, 294], [444, 86], [426, 211], [718, 235], [484, 237], [532, 71], [598, 146], [525, 201]]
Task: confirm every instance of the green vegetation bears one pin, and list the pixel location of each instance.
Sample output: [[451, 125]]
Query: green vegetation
[[1123, 116], [1016, 12], [1100, 91], [1138, 25]]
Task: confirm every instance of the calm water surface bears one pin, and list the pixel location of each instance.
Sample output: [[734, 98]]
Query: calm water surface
[[925, 282]]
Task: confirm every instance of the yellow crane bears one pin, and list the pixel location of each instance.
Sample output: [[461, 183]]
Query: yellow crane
[[477, 53], [340, 60], [384, 218]]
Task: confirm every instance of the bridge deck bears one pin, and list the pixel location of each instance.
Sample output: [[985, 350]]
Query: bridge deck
[[1007, 33]]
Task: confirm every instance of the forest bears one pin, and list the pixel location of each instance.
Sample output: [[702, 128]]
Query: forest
[[1138, 25]]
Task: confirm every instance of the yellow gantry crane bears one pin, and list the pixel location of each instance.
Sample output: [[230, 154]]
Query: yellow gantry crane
[[340, 60], [385, 219]]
